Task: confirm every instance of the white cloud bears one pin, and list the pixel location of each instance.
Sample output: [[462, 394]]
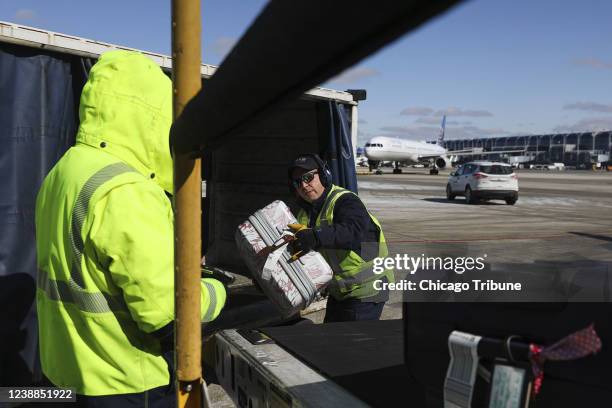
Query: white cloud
[[455, 111], [451, 111], [589, 107], [431, 133], [223, 45], [438, 121], [411, 132], [586, 125], [353, 75], [25, 15], [465, 132], [416, 111], [593, 62]]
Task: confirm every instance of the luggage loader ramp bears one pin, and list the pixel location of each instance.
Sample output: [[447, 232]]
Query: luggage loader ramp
[[364, 357], [256, 372], [334, 364]]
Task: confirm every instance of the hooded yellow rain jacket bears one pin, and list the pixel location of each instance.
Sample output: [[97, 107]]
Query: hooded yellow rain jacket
[[104, 237]]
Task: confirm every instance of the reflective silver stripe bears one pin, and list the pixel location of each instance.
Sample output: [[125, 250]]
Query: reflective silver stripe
[[67, 292], [358, 278], [79, 213], [73, 291], [212, 294]]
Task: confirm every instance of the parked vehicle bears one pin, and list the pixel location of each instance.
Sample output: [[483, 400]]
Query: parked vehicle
[[483, 180], [557, 166], [550, 166]]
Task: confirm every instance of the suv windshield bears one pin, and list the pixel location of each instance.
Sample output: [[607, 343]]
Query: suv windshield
[[496, 169]]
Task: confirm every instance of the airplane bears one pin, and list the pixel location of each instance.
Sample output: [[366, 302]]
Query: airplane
[[382, 148]]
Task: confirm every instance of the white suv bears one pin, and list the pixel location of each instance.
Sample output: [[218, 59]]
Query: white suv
[[483, 180]]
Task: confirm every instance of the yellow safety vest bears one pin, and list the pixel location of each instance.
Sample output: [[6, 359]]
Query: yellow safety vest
[[353, 277]]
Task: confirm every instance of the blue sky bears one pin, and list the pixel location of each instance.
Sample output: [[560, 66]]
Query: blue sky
[[495, 67]]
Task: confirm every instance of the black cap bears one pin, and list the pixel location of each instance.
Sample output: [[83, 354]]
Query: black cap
[[305, 162]]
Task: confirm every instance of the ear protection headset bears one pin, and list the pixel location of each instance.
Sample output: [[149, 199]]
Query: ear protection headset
[[324, 172]]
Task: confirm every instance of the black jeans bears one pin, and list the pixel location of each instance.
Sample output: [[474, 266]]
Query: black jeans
[[352, 310]]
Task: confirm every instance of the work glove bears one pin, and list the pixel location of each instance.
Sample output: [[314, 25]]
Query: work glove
[[305, 239]]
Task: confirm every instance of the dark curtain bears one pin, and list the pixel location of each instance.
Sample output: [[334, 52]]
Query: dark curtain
[[334, 120], [39, 93]]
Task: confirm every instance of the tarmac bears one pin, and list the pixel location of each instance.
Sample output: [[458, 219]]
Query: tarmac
[[562, 219]]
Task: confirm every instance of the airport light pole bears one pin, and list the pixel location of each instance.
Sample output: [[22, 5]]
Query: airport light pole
[[186, 82]]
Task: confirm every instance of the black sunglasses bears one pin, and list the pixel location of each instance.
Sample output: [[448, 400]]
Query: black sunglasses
[[304, 178]]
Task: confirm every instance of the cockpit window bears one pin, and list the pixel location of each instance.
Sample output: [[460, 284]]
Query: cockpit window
[[367, 145]]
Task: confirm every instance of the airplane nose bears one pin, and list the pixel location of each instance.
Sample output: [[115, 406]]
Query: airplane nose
[[370, 153]]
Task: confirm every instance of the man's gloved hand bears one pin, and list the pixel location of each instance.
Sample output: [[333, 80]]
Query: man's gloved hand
[[305, 241]]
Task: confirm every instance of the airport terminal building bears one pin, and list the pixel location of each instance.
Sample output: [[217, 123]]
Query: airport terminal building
[[580, 150]]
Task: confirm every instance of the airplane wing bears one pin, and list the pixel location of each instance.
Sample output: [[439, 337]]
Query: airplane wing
[[432, 156]]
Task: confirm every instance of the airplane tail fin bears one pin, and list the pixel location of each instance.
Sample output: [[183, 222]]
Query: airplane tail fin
[[442, 129]]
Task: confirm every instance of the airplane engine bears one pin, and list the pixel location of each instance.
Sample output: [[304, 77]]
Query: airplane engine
[[443, 162]]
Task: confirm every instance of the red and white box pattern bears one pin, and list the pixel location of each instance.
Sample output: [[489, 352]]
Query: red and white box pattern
[[279, 286]]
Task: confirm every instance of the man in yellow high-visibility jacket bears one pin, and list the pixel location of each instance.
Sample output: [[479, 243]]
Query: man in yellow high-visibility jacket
[[104, 238]]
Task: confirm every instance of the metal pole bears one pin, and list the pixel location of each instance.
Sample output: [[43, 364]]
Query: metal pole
[[186, 31]]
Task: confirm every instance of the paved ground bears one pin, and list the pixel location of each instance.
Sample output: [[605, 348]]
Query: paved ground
[[560, 218], [413, 206]]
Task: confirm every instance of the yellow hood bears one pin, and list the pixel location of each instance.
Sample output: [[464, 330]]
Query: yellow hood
[[126, 111]]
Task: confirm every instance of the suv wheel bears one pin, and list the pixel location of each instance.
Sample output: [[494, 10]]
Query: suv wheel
[[469, 196], [511, 200], [449, 193]]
